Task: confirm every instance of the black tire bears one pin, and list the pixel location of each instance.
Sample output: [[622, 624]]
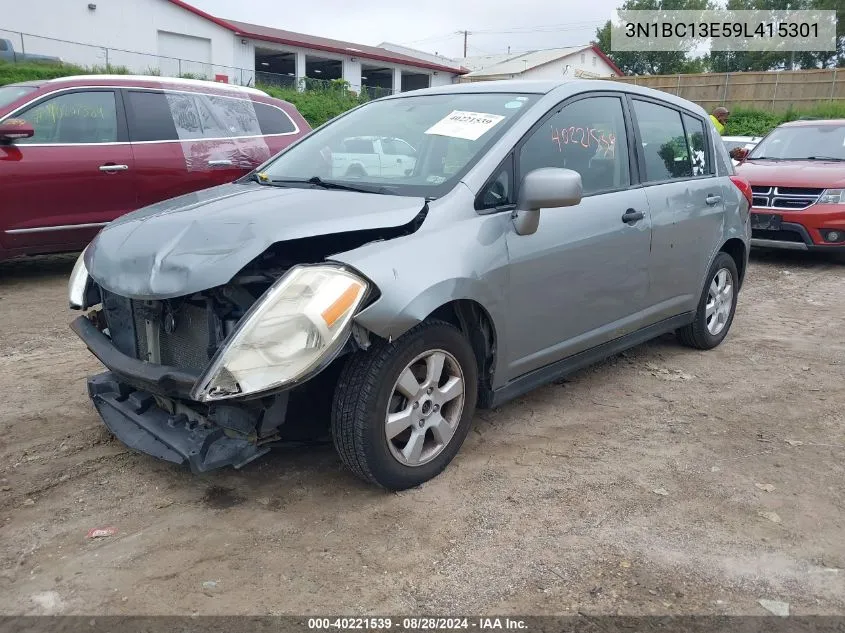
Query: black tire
[[364, 390], [696, 334]]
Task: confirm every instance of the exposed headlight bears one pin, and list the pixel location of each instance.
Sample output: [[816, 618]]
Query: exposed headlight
[[832, 196], [288, 333], [78, 284]]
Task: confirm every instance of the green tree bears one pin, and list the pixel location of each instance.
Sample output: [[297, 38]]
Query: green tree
[[735, 61], [654, 62]]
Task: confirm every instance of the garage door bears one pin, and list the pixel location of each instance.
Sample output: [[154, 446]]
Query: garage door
[[184, 54]]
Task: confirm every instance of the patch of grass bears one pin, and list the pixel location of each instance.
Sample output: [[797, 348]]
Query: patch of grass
[[33, 71], [746, 122], [319, 102]]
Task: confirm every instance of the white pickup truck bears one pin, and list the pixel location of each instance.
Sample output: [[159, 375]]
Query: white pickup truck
[[379, 156]]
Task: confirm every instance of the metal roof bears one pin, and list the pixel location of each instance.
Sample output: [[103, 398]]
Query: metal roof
[[515, 64], [313, 42]]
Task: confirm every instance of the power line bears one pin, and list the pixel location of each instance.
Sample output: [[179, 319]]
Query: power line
[[432, 38]]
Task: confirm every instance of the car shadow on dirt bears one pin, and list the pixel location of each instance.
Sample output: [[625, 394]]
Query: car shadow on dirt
[[37, 267], [797, 259]]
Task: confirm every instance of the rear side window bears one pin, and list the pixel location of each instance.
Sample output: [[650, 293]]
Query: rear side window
[[237, 116], [697, 141], [359, 146], [150, 118], [185, 115], [273, 120], [664, 146], [75, 118]]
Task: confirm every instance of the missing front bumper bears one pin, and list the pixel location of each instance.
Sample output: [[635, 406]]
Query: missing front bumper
[[133, 416]]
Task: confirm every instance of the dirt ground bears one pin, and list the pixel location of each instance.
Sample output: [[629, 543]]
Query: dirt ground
[[661, 481]]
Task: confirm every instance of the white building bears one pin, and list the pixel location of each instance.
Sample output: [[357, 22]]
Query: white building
[[175, 38], [586, 61]]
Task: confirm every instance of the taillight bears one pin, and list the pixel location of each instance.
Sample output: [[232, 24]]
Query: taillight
[[745, 187]]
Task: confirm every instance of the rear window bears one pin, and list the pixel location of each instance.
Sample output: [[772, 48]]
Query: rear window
[[273, 120], [150, 118], [359, 146]]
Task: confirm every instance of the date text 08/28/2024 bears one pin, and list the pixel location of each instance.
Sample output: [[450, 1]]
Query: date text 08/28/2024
[[415, 623]]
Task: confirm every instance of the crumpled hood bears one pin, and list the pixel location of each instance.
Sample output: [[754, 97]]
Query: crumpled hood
[[794, 173], [201, 240]]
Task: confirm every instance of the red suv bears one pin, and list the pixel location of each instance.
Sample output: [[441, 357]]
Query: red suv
[[77, 152], [797, 176]]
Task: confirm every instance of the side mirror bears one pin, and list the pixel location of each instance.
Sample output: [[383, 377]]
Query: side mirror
[[546, 188], [14, 129]]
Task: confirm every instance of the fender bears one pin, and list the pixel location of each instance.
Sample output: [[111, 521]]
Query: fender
[[440, 263]]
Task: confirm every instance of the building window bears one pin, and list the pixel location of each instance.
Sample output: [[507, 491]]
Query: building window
[[583, 58], [594, 60]]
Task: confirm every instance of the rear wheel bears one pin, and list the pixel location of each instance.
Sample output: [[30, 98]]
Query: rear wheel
[[402, 410], [355, 171], [716, 307]]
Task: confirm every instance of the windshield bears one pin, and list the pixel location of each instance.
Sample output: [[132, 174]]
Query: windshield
[[805, 142], [8, 94], [412, 146]]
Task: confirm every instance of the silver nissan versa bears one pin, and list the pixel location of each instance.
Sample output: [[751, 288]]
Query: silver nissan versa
[[534, 228]]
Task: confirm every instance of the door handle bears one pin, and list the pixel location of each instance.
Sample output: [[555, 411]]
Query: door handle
[[630, 216], [110, 168], [220, 163], [711, 200]]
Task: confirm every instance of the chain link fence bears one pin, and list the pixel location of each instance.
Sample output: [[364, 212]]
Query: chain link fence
[[17, 47]]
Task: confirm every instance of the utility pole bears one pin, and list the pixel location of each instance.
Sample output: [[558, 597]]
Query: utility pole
[[464, 33]]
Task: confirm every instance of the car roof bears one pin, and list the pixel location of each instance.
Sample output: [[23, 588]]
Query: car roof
[[135, 80], [813, 122], [546, 86]]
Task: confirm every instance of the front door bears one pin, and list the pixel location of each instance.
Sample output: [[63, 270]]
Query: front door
[[583, 277], [76, 174]]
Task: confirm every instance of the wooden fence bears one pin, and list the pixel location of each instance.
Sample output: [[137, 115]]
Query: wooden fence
[[773, 91]]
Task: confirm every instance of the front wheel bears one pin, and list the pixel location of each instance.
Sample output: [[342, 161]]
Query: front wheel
[[716, 307], [402, 410]]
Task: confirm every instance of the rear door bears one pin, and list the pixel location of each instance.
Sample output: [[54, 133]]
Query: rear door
[[582, 278], [686, 201], [77, 173], [186, 141]]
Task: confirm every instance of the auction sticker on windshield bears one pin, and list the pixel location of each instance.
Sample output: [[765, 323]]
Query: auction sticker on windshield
[[467, 125]]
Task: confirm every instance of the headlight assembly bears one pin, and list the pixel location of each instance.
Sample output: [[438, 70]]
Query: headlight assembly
[[832, 196], [298, 324], [77, 285]]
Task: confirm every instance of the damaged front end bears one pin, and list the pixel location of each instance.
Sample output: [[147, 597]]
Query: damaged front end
[[212, 378]]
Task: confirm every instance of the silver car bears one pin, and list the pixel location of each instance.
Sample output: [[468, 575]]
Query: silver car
[[544, 226]]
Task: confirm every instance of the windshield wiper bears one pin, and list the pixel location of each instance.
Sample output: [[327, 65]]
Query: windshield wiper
[[326, 184], [833, 158]]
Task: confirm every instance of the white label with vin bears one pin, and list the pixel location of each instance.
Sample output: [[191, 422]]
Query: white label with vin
[[468, 125]]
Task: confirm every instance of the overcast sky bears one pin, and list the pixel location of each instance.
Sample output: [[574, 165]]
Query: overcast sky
[[430, 25]]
